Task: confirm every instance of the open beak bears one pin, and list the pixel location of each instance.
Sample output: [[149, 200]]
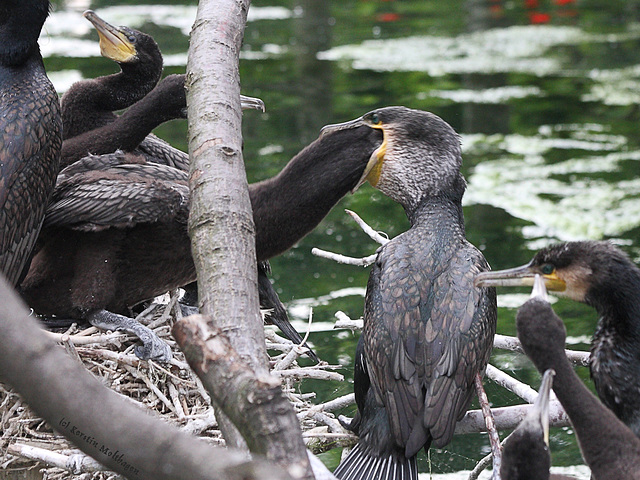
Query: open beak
[[518, 277], [114, 44], [541, 405], [251, 103], [373, 168]]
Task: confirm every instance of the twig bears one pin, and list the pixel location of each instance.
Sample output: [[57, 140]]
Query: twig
[[163, 398], [296, 350], [86, 339], [343, 321], [480, 467], [523, 390], [308, 372], [505, 342], [332, 405], [76, 464], [382, 239], [338, 258], [489, 421]]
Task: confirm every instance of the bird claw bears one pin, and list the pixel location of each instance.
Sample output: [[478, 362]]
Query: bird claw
[[154, 349]]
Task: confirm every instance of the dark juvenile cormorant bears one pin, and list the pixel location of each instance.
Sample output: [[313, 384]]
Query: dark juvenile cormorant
[[427, 330], [91, 127], [608, 446], [90, 103], [602, 276], [30, 133], [116, 234], [131, 131], [525, 454]]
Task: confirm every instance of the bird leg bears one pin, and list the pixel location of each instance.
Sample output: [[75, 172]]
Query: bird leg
[[494, 439], [153, 348]]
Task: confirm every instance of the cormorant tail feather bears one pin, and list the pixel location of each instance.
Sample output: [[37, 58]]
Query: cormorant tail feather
[[364, 464]]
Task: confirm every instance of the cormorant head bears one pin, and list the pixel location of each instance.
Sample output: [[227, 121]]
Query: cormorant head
[[125, 45], [526, 451], [586, 271], [20, 25], [419, 157]]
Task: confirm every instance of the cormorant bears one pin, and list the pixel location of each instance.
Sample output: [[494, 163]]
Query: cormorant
[[90, 124], [608, 446], [116, 234], [90, 103], [525, 453], [427, 330], [602, 276], [30, 133], [131, 131]]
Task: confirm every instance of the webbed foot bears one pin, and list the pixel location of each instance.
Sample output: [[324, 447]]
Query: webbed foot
[[153, 348]]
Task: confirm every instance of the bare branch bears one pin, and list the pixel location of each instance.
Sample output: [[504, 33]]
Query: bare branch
[[253, 401], [375, 236], [69, 398]]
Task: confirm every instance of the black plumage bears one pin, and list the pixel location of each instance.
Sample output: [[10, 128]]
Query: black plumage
[[30, 133], [602, 276], [525, 454], [427, 330], [90, 124], [116, 233], [126, 132], [608, 446], [91, 103]]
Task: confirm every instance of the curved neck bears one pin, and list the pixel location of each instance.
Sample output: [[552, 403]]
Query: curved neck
[[289, 205], [125, 132], [617, 301], [90, 104], [604, 439]]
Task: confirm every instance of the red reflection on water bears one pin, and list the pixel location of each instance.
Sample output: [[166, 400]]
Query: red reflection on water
[[388, 16]]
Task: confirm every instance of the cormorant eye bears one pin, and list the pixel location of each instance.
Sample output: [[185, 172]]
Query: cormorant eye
[[132, 39], [547, 269], [375, 119]]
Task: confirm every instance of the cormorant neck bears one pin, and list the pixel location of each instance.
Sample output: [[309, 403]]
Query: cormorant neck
[[289, 205], [449, 198], [602, 436], [442, 209], [90, 104], [19, 31], [165, 102], [617, 299]]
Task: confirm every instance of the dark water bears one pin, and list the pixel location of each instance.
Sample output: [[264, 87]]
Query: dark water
[[544, 94]]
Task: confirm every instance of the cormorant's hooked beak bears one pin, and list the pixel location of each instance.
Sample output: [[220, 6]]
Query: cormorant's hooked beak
[[114, 44], [539, 290], [540, 410], [374, 165], [519, 277], [251, 103]]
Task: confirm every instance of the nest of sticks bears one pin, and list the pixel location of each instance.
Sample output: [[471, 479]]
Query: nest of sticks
[[171, 391]]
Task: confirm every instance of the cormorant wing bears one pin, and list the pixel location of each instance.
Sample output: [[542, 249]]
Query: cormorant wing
[[105, 191], [430, 332], [30, 140], [162, 152]]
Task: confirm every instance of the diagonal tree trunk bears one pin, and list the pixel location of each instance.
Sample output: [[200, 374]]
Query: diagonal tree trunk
[[116, 433]]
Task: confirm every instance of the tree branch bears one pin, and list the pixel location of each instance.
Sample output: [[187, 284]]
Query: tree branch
[[116, 433], [222, 233]]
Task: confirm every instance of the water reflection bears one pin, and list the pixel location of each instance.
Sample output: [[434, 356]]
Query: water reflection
[[544, 94]]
